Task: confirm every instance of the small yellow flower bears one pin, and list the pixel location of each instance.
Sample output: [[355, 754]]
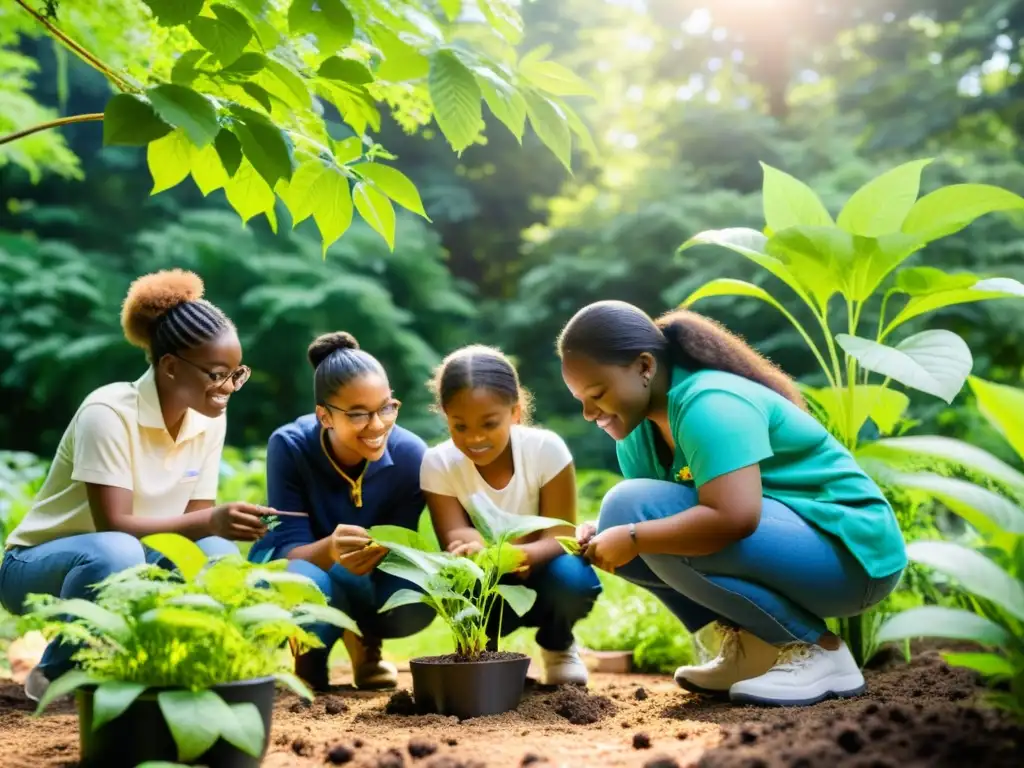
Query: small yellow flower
[[685, 475]]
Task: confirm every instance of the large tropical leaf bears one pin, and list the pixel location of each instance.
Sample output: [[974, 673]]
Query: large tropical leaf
[[951, 292], [1003, 406], [974, 571], [938, 621], [184, 553], [883, 405], [881, 206], [945, 448], [496, 525], [988, 512], [788, 202], [949, 209]]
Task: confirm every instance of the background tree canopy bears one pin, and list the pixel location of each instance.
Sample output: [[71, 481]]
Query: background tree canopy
[[688, 97]]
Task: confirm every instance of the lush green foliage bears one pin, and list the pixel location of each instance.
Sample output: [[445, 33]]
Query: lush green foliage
[[238, 95], [205, 623], [463, 590]]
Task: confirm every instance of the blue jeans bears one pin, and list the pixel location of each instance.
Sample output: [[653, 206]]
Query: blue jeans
[[361, 598], [69, 567], [566, 588], [780, 583]]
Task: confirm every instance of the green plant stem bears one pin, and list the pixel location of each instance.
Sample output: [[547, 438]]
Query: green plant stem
[[810, 343], [119, 82], [853, 319], [93, 116], [830, 343]]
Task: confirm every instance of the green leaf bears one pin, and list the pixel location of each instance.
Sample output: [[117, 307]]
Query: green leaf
[[396, 534], [519, 598], [244, 728], [975, 572], [168, 160], [750, 244], [935, 362], [186, 109], [261, 613], [393, 183], [403, 597], [502, 559], [63, 685], [884, 406], [131, 122], [496, 525], [400, 62], [789, 202], [185, 69], [376, 210], [283, 82], [259, 94], [570, 544], [948, 449], [727, 286], [426, 563], [451, 8], [330, 21], [348, 150], [294, 586], [504, 100], [577, 126], [225, 36], [950, 209], [196, 601], [250, 195], [112, 699], [881, 206], [821, 258], [298, 687], [455, 96], [170, 13], [229, 150], [333, 209], [986, 664], [263, 144], [1003, 407], [986, 511], [194, 718], [550, 125], [186, 555], [246, 65], [504, 18], [938, 621], [207, 170], [313, 613], [933, 289], [555, 79], [106, 621], [345, 70]]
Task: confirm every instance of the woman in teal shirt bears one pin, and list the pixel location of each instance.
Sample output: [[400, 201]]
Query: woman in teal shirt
[[738, 506]]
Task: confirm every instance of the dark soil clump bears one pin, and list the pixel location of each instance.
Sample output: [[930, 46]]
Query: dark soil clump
[[391, 759], [335, 706], [640, 694], [529, 759], [641, 741], [302, 748], [339, 754], [579, 707], [401, 703], [455, 658], [446, 761], [451, 741], [662, 761], [419, 748]]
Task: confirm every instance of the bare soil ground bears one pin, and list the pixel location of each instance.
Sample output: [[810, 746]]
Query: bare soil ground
[[922, 714]]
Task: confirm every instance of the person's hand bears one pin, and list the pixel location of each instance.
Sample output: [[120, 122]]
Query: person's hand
[[354, 550], [238, 521], [461, 548], [584, 533], [611, 549]]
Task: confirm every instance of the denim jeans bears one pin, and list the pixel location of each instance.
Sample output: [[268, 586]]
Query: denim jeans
[[69, 567], [780, 583], [566, 588], [361, 598]]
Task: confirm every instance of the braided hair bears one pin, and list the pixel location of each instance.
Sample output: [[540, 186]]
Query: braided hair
[[165, 313]]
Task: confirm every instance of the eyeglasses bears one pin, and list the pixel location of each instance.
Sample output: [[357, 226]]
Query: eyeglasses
[[238, 376], [387, 413]]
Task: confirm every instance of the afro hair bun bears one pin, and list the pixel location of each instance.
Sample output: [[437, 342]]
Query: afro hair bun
[[324, 345], [151, 296]]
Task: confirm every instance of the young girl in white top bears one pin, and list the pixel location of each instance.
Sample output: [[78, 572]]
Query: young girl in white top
[[524, 470]]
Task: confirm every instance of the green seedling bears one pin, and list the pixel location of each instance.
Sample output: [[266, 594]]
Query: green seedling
[[570, 544]]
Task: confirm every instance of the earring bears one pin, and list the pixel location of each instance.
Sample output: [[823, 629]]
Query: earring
[[647, 381]]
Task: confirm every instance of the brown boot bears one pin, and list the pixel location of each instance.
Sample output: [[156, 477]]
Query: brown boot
[[369, 671], [311, 667]]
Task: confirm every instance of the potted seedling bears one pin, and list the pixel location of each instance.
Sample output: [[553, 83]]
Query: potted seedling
[[181, 666], [464, 591]]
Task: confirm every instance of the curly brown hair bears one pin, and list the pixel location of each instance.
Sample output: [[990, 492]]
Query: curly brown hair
[[615, 333]]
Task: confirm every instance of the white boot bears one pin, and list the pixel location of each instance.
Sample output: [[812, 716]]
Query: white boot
[[563, 667], [742, 656], [804, 674]]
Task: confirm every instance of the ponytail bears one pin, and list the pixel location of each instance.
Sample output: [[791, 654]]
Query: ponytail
[[616, 333]]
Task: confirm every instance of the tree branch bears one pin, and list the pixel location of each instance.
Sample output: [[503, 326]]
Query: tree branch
[[52, 124], [78, 50]]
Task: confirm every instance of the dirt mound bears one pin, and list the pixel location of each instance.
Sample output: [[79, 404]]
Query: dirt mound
[[579, 707]]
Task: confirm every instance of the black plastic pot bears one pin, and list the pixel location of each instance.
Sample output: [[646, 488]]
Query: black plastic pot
[[469, 688], [141, 734]]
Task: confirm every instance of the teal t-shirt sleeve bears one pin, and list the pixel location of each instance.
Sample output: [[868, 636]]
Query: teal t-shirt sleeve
[[630, 464], [720, 432]]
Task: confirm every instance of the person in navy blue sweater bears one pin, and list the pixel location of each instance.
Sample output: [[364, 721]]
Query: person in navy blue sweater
[[348, 466]]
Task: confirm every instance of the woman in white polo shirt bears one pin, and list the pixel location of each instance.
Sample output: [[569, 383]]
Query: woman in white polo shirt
[[138, 458]]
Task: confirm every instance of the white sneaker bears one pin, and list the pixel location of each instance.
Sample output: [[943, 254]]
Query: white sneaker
[[36, 684], [742, 656], [563, 667], [804, 674]]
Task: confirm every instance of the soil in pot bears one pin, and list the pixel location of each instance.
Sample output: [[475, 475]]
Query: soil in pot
[[489, 684], [141, 733]]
